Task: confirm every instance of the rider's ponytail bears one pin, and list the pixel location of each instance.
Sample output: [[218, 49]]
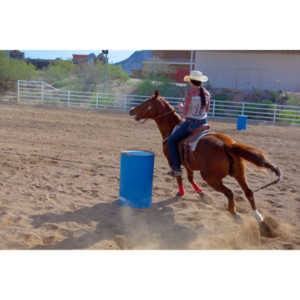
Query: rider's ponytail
[[202, 96], [202, 92]]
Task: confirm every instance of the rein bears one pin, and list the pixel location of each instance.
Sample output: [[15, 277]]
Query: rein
[[160, 116], [165, 114]]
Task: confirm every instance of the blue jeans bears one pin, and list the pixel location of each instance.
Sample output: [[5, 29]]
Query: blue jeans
[[185, 129]]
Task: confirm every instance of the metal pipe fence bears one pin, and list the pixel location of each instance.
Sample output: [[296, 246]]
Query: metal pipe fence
[[39, 92], [8, 97]]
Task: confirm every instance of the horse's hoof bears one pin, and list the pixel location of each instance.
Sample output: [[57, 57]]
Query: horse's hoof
[[269, 228], [179, 195], [232, 210], [205, 198], [237, 218]]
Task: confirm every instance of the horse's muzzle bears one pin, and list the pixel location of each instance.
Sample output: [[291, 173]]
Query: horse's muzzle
[[131, 112]]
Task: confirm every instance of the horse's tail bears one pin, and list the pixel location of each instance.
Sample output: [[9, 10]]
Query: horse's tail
[[256, 157]]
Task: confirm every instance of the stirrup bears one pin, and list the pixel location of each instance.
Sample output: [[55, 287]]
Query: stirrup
[[175, 173]]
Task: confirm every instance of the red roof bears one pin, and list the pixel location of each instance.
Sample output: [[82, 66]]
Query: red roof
[[78, 56]]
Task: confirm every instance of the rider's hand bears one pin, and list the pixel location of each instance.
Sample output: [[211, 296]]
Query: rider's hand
[[180, 107]]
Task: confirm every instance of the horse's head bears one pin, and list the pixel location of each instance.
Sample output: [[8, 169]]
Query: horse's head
[[152, 108]]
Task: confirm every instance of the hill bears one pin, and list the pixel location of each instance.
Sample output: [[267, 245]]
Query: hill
[[134, 62]]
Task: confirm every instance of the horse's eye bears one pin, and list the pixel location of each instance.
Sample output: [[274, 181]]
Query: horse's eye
[[149, 107]]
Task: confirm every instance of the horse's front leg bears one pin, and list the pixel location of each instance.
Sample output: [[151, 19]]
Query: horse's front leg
[[180, 187], [180, 192], [190, 175]]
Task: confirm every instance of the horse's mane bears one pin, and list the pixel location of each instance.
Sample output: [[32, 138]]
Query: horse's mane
[[170, 107]]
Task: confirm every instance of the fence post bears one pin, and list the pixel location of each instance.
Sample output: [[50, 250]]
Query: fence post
[[243, 108], [125, 103], [97, 95], [18, 99], [214, 106], [274, 114], [42, 92], [69, 93]]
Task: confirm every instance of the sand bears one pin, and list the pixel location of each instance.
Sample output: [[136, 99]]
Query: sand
[[59, 185]]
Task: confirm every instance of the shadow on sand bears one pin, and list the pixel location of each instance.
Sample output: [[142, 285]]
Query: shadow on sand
[[128, 228]]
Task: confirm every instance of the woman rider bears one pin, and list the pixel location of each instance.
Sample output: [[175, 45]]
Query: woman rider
[[195, 109]]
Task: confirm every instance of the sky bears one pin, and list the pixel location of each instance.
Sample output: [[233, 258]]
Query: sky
[[114, 55]]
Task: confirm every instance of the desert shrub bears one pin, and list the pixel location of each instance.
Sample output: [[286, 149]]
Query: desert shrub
[[145, 88], [12, 69], [293, 99], [286, 116], [67, 75], [57, 71], [166, 86], [267, 101], [103, 101], [222, 97]]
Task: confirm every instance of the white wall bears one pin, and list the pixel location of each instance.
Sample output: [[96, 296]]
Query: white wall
[[271, 71]]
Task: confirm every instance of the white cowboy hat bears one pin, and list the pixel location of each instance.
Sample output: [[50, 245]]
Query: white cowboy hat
[[196, 75]]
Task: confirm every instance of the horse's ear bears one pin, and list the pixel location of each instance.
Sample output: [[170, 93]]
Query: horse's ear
[[156, 93]]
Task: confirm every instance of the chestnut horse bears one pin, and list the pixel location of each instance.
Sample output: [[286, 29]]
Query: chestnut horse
[[215, 156]]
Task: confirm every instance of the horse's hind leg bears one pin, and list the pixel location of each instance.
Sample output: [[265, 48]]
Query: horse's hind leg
[[241, 179], [247, 191], [218, 185], [190, 175]]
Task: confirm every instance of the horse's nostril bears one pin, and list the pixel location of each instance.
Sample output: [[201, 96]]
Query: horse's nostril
[[131, 112]]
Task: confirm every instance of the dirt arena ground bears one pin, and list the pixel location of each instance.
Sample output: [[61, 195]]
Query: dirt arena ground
[[59, 185]]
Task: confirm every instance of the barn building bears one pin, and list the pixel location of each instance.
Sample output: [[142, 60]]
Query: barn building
[[245, 70], [233, 69]]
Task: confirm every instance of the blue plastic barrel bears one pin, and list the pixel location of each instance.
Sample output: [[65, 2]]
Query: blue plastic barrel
[[136, 178], [242, 122]]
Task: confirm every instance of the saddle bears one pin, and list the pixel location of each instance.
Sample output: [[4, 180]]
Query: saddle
[[189, 144], [195, 136]]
